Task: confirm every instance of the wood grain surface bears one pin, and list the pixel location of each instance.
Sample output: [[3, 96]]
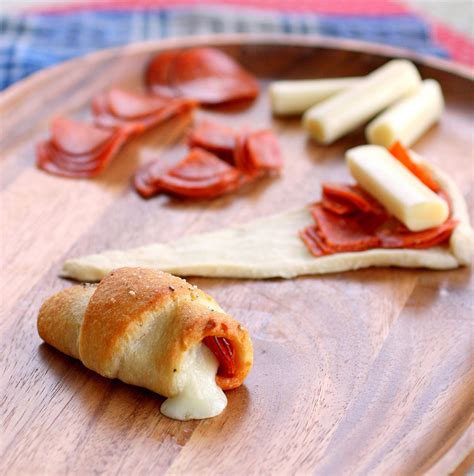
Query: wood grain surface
[[367, 372]]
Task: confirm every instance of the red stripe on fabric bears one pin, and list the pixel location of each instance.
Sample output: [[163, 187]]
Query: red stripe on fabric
[[330, 7], [460, 48]]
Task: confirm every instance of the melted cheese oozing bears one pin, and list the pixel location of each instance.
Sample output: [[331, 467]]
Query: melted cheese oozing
[[200, 397]]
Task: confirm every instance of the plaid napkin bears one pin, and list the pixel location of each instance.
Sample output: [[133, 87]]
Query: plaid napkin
[[32, 40]]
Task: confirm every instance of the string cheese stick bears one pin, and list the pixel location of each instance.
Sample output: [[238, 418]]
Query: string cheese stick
[[396, 188], [409, 118], [352, 107], [295, 97]]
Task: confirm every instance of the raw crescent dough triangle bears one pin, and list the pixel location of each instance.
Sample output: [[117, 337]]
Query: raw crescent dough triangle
[[270, 247]]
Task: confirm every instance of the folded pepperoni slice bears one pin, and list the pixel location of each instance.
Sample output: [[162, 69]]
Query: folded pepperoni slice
[[214, 137], [394, 236], [401, 154], [344, 232], [263, 151], [205, 74], [77, 138]]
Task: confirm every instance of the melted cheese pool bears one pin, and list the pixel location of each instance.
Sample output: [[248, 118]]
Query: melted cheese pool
[[200, 397]]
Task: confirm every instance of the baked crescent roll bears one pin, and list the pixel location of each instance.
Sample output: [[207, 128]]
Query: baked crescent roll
[[154, 330]]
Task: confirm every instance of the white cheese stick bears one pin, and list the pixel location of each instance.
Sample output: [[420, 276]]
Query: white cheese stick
[[396, 188], [409, 118], [354, 106], [295, 97]]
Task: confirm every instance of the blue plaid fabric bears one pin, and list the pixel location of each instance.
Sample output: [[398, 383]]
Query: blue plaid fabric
[[33, 41]]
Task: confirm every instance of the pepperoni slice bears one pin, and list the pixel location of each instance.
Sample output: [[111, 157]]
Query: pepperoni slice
[[313, 241], [77, 138], [336, 206], [401, 154], [127, 105], [263, 151], [145, 180], [214, 137], [344, 232], [224, 353], [205, 74], [353, 197], [199, 175], [117, 108], [241, 154], [199, 165], [158, 73], [394, 236]]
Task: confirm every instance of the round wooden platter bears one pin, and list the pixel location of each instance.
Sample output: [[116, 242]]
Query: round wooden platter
[[368, 372]]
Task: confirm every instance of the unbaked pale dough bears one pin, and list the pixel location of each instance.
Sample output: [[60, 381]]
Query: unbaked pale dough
[[270, 247]]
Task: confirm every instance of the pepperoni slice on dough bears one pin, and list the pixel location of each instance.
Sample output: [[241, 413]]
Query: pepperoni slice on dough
[[394, 235], [351, 229], [353, 197], [344, 233], [313, 241]]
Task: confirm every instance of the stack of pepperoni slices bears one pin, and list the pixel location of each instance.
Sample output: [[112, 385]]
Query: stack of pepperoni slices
[[219, 160]]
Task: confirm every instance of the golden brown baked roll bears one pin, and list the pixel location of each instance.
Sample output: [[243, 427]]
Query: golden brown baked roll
[[147, 328]]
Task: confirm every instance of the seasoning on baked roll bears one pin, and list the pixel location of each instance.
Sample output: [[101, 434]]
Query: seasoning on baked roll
[[154, 330]]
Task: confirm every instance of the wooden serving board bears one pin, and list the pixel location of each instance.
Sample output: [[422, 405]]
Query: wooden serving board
[[367, 372]]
